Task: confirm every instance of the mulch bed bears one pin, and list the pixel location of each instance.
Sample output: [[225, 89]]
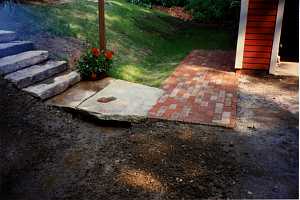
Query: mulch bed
[[178, 12]]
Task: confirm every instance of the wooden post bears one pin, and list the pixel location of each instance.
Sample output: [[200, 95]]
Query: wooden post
[[102, 40]]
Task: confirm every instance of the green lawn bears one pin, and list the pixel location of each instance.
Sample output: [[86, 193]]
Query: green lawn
[[149, 44]]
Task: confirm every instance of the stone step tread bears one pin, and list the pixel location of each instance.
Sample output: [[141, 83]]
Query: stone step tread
[[54, 85], [15, 47], [6, 32], [13, 43], [7, 36], [36, 73], [20, 61]]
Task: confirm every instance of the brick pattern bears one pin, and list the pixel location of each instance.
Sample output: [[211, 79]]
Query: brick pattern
[[199, 93]]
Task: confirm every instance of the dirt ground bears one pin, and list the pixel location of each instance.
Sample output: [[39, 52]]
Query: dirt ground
[[47, 153]]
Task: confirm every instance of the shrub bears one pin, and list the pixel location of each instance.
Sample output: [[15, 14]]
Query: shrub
[[94, 62], [167, 3], [202, 10], [213, 10]]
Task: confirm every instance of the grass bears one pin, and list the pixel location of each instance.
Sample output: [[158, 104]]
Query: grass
[[149, 44]]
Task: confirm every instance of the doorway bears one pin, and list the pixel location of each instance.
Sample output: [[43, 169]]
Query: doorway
[[289, 41]]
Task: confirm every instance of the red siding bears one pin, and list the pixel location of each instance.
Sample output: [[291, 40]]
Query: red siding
[[259, 34]]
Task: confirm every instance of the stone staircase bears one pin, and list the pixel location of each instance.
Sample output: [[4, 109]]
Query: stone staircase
[[31, 70]]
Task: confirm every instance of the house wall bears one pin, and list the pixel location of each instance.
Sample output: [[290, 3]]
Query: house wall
[[257, 41]]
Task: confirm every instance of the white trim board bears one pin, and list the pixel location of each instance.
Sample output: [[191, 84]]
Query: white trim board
[[277, 35], [242, 34]]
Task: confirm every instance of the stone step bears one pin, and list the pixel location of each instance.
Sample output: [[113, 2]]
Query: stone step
[[53, 86], [36, 73], [7, 36], [15, 47], [14, 63]]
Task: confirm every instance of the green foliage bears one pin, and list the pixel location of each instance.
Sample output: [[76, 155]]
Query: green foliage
[[202, 10], [213, 10], [90, 63]]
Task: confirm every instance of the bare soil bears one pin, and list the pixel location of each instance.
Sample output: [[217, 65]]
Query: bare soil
[[47, 153], [66, 48]]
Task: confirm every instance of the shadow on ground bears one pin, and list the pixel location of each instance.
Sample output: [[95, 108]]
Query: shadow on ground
[[50, 154]]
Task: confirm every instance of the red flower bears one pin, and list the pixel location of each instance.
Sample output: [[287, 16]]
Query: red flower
[[109, 55], [95, 52]]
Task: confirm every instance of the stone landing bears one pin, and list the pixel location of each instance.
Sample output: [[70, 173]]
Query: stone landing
[[110, 99]]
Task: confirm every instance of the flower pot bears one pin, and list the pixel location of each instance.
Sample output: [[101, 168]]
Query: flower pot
[[93, 76], [97, 76]]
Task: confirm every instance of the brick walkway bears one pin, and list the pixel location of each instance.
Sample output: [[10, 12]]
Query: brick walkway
[[202, 90]]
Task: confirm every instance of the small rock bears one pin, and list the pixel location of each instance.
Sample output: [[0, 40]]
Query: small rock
[[179, 180], [106, 99]]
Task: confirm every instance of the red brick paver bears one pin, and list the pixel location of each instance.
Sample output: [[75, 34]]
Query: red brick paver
[[202, 90]]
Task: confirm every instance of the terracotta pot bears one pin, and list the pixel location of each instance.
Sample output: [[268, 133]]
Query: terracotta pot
[[98, 76], [93, 76]]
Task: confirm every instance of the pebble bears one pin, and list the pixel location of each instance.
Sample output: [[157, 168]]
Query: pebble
[[179, 180]]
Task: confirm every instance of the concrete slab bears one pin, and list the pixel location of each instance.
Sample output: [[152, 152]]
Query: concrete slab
[[287, 69], [80, 92], [132, 101]]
